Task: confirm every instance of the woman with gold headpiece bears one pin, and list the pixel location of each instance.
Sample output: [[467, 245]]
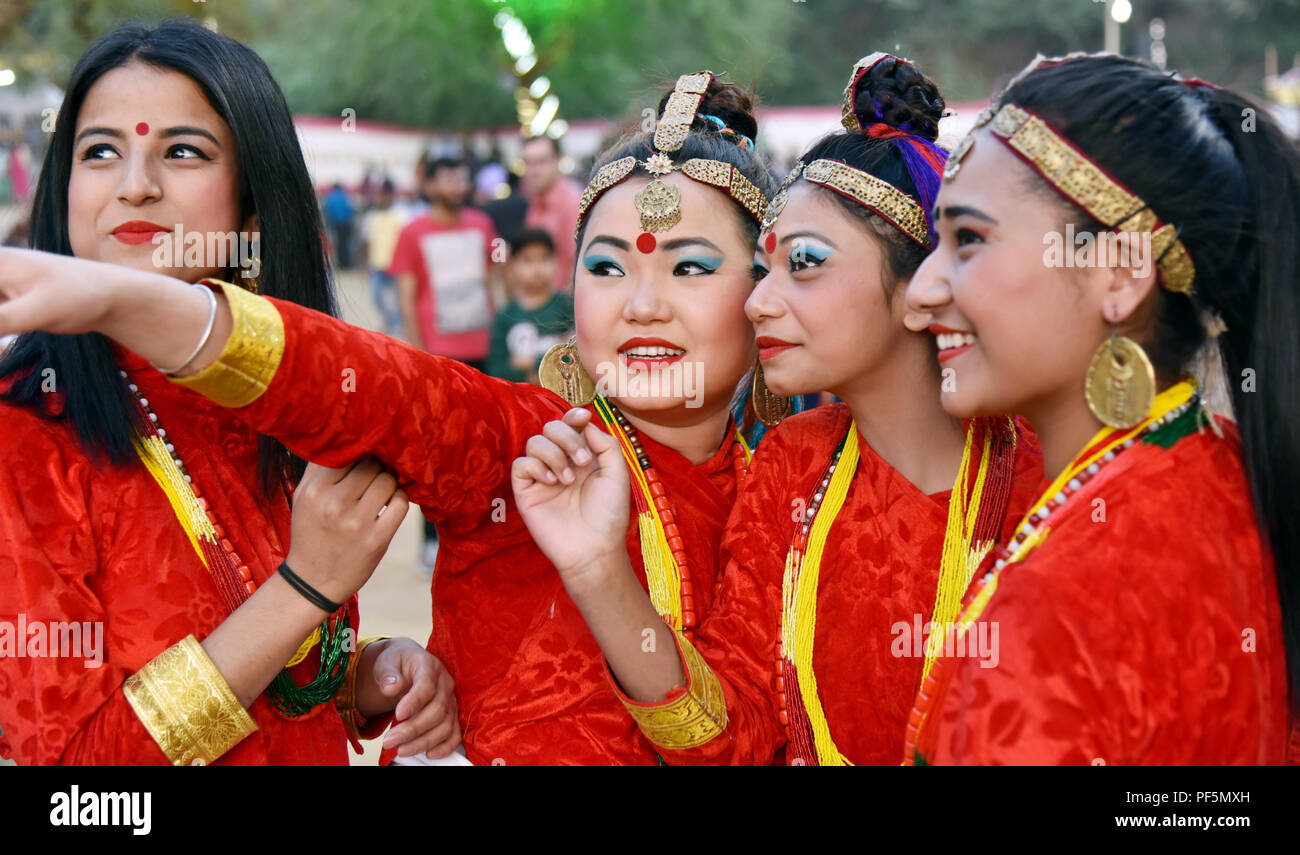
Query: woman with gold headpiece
[[862, 523], [1149, 601], [665, 251]]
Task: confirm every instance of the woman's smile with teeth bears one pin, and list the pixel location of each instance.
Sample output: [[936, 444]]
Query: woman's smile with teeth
[[948, 341]]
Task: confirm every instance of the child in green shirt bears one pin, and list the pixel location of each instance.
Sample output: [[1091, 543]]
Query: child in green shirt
[[536, 317]]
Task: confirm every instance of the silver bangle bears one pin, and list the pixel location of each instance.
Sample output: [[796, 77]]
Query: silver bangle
[[207, 333]]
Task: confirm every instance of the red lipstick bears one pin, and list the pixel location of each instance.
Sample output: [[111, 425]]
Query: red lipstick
[[769, 347], [136, 232]]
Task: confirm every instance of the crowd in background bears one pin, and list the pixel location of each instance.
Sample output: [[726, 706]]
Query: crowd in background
[[477, 265]]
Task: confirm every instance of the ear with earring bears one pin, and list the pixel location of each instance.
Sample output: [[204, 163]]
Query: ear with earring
[[1121, 384], [770, 407], [561, 371]]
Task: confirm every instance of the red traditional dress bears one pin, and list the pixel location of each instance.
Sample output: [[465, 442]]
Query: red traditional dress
[[878, 580], [530, 677], [1144, 629], [101, 548]]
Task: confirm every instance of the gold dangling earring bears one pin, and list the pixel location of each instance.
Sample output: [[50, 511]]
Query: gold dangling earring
[[1121, 384], [254, 283], [770, 407], [561, 371]]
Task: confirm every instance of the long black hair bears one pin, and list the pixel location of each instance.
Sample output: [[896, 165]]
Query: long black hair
[[273, 184], [1219, 168]]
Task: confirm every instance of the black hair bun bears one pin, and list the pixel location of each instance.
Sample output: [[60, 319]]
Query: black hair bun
[[728, 102], [898, 94]]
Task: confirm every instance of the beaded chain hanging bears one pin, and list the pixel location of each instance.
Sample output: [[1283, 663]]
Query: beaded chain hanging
[[663, 550], [232, 576], [975, 514], [1175, 413]]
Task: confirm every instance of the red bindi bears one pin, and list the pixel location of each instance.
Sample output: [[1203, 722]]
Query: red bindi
[[769, 243], [142, 128], [646, 242]]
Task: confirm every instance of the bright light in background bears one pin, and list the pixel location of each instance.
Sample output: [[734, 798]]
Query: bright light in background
[[546, 112], [537, 118], [1121, 11], [7, 76]]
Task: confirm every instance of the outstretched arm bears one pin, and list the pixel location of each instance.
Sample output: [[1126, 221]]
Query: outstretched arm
[[330, 391]]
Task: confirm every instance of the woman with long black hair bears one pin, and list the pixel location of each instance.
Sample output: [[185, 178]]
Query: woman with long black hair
[[1149, 602], [137, 519]]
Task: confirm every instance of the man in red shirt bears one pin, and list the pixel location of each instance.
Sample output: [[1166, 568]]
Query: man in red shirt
[[553, 201], [444, 269]]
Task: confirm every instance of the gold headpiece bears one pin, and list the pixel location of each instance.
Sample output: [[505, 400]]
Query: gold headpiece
[[1079, 180], [901, 210], [659, 204]]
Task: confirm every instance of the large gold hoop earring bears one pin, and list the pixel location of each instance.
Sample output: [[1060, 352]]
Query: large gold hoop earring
[[1121, 384], [561, 371]]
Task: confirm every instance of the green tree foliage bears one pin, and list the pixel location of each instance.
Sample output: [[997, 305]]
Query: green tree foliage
[[441, 62]]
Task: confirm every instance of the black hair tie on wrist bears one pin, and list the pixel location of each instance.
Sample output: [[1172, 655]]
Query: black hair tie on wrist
[[313, 596]]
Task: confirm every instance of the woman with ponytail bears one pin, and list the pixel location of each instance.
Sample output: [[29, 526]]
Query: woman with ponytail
[[665, 262], [862, 522], [1149, 601]]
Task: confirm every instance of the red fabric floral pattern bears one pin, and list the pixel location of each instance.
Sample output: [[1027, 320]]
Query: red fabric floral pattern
[[529, 676], [880, 570], [83, 542], [1147, 634]]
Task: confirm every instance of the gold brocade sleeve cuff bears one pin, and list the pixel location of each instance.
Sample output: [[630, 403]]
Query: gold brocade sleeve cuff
[[251, 356], [187, 706], [345, 701], [692, 718]]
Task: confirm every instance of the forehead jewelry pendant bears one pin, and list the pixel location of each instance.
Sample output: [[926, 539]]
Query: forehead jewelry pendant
[[659, 204]]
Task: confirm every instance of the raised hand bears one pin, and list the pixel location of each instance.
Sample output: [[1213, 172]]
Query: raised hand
[[572, 489]]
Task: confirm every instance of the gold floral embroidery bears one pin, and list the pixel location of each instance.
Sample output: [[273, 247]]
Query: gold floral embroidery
[[691, 720], [247, 364], [187, 706]]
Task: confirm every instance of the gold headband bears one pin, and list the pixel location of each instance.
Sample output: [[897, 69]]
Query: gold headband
[[659, 204], [1079, 180], [901, 210]]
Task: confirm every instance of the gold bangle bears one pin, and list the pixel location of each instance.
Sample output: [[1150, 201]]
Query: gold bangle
[[251, 356], [187, 706], [696, 717]]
